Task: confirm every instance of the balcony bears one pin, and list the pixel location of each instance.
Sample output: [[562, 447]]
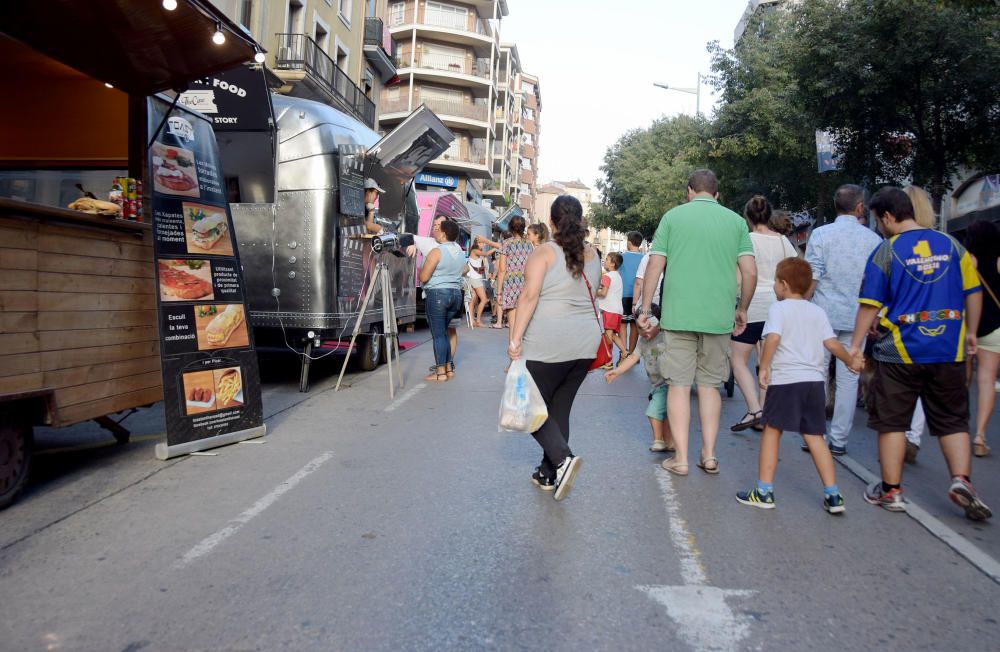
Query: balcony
[[379, 48], [451, 113], [462, 30], [527, 176], [529, 126], [528, 151], [301, 62], [464, 71], [469, 159]]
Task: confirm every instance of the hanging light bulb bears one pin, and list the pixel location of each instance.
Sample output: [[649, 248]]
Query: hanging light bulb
[[218, 38], [169, 5], [259, 57], [107, 85]]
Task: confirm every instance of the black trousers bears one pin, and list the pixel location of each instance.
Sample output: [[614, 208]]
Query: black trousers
[[558, 383]]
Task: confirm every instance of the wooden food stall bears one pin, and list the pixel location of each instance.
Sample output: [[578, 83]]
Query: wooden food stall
[[78, 319]]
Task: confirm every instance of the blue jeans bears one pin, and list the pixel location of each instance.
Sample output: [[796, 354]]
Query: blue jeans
[[442, 305]]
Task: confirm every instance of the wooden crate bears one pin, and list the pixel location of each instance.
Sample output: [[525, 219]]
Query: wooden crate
[[77, 314]]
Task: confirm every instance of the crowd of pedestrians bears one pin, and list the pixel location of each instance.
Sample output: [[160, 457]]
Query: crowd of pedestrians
[[903, 309]]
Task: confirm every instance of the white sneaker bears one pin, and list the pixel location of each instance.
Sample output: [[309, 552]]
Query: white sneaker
[[565, 474]]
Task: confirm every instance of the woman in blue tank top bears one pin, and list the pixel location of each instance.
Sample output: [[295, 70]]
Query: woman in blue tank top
[[441, 279]]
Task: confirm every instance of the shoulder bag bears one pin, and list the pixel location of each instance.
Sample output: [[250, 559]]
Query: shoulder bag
[[603, 355]]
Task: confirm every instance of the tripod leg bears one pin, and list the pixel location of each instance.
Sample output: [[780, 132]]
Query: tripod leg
[[386, 317], [357, 325]]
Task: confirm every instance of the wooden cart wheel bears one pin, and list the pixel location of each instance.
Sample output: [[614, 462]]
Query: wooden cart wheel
[[15, 458], [370, 348]]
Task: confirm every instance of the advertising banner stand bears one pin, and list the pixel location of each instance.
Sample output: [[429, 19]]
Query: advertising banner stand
[[211, 383]]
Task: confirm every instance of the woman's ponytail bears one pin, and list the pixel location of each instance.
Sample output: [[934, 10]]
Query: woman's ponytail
[[570, 233]]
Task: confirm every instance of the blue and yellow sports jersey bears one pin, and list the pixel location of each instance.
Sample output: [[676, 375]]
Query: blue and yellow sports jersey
[[919, 279]]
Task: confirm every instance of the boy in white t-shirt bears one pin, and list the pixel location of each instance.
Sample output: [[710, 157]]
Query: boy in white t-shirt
[[609, 301], [792, 371]]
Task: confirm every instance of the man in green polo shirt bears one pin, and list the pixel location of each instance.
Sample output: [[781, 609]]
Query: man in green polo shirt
[[701, 245]]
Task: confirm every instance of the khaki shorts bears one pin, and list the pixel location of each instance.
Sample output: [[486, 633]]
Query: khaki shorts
[[699, 358]]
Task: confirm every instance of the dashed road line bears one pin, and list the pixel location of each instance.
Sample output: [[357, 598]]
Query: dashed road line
[[209, 543], [404, 397]]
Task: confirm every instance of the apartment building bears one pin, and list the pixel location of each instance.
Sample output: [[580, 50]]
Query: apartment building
[[446, 56], [515, 151], [333, 51]]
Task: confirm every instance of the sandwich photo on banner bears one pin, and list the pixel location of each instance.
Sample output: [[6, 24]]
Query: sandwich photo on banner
[[221, 327], [207, 230]]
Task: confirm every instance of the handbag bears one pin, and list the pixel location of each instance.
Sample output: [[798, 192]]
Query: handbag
[[603, 355]]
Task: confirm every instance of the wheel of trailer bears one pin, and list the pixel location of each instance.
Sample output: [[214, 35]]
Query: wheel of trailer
[[15, 458], [370, 348]]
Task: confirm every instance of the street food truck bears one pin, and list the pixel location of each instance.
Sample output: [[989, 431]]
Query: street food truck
[[78, 320], [300, 227]]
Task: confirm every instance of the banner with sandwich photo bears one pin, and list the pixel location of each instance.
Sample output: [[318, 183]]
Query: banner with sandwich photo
[[210, 377]]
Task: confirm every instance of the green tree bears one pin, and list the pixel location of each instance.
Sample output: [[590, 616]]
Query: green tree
[[763, 138], [646, 171], [908, 87]]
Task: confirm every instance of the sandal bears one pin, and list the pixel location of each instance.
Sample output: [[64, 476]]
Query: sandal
[[674, 466], [748, 420], [979, 447], [660, 446], [703, 464], [450, 371]]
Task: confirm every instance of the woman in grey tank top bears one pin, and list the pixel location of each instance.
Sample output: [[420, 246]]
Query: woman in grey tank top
[[556, 332]]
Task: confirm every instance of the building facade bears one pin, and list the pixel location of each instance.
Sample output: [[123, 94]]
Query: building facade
[[446, 57], [333, 51]]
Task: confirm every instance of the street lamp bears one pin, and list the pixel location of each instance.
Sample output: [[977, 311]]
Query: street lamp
[[696, 91]]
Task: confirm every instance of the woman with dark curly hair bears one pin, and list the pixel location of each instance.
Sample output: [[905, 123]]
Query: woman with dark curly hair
[[556, 332]]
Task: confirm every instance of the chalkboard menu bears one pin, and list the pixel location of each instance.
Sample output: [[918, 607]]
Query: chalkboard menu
[[211, 384], [352, 180]]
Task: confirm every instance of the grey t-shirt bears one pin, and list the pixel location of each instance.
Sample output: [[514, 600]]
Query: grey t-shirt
[[563, 327]]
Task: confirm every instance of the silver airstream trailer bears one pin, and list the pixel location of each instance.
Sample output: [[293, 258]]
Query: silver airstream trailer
[[306, 260]]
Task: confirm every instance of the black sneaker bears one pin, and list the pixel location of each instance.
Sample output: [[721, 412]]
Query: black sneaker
[[834, 504], [542, 482], [911, 453], [837, 451], [565, 475]]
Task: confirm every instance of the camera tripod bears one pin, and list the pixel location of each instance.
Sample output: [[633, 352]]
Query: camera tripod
[[390, 329]]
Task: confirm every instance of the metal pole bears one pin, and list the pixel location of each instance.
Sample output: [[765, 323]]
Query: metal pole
[[697, 97]]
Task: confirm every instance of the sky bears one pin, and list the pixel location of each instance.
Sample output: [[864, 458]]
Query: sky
[[597, 60]]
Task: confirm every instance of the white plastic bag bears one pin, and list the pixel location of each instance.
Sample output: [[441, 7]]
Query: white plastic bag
[[522, 408]]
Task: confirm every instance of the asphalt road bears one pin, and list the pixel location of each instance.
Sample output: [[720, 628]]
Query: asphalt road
[[365, 524]]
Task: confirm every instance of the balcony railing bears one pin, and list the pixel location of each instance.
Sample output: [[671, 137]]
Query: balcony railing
[[479, 112], [477, 68], [299, 52], [379, 48], [471, 23]]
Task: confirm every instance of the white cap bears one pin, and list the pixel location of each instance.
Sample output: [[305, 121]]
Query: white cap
[[371, 185]]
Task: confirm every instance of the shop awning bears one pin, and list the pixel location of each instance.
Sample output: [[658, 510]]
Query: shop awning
[[135, 45]]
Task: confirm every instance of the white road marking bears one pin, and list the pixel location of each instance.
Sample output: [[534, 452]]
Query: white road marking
[[209, 543], [692, 571], [404, 397], [704, 619], [947, 536]]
